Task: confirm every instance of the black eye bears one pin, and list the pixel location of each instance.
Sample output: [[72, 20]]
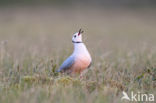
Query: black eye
[[74, 36]]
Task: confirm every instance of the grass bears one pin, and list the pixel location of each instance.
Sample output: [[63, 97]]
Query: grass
[[34, 44]]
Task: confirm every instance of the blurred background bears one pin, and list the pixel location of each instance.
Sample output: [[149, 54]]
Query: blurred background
[[46, 27], [110, 3]]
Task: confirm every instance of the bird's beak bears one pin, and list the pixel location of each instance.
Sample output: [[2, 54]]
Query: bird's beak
[[80, 32]]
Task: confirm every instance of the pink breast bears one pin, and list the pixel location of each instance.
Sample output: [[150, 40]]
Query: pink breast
[[80, 65]]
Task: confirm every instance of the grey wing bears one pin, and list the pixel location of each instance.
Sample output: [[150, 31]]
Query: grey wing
[[66, 64]]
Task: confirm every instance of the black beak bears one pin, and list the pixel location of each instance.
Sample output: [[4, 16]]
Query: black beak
[[80, 31]]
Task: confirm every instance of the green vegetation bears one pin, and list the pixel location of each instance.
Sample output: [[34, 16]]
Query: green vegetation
[[35, 41]]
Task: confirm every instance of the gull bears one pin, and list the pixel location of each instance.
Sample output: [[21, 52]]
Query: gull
[[79, 60]]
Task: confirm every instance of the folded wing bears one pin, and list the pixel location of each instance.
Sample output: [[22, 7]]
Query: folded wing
[[67, 64]]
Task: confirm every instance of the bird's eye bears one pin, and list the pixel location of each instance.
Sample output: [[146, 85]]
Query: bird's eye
[[74, 36]]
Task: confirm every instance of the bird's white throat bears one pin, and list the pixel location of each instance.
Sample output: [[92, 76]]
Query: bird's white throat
[[81, 50]]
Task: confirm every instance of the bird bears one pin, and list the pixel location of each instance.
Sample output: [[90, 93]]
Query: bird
[[79, 60]]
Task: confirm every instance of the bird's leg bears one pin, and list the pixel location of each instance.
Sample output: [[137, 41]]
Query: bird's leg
[[82, 74]]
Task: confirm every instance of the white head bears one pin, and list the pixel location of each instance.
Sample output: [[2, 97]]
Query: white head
[[77, 37]]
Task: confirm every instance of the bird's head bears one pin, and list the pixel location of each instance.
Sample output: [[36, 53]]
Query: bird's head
[[77, 37]]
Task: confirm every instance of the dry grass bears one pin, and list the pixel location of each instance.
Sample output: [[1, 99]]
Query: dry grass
[[34, 42]]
